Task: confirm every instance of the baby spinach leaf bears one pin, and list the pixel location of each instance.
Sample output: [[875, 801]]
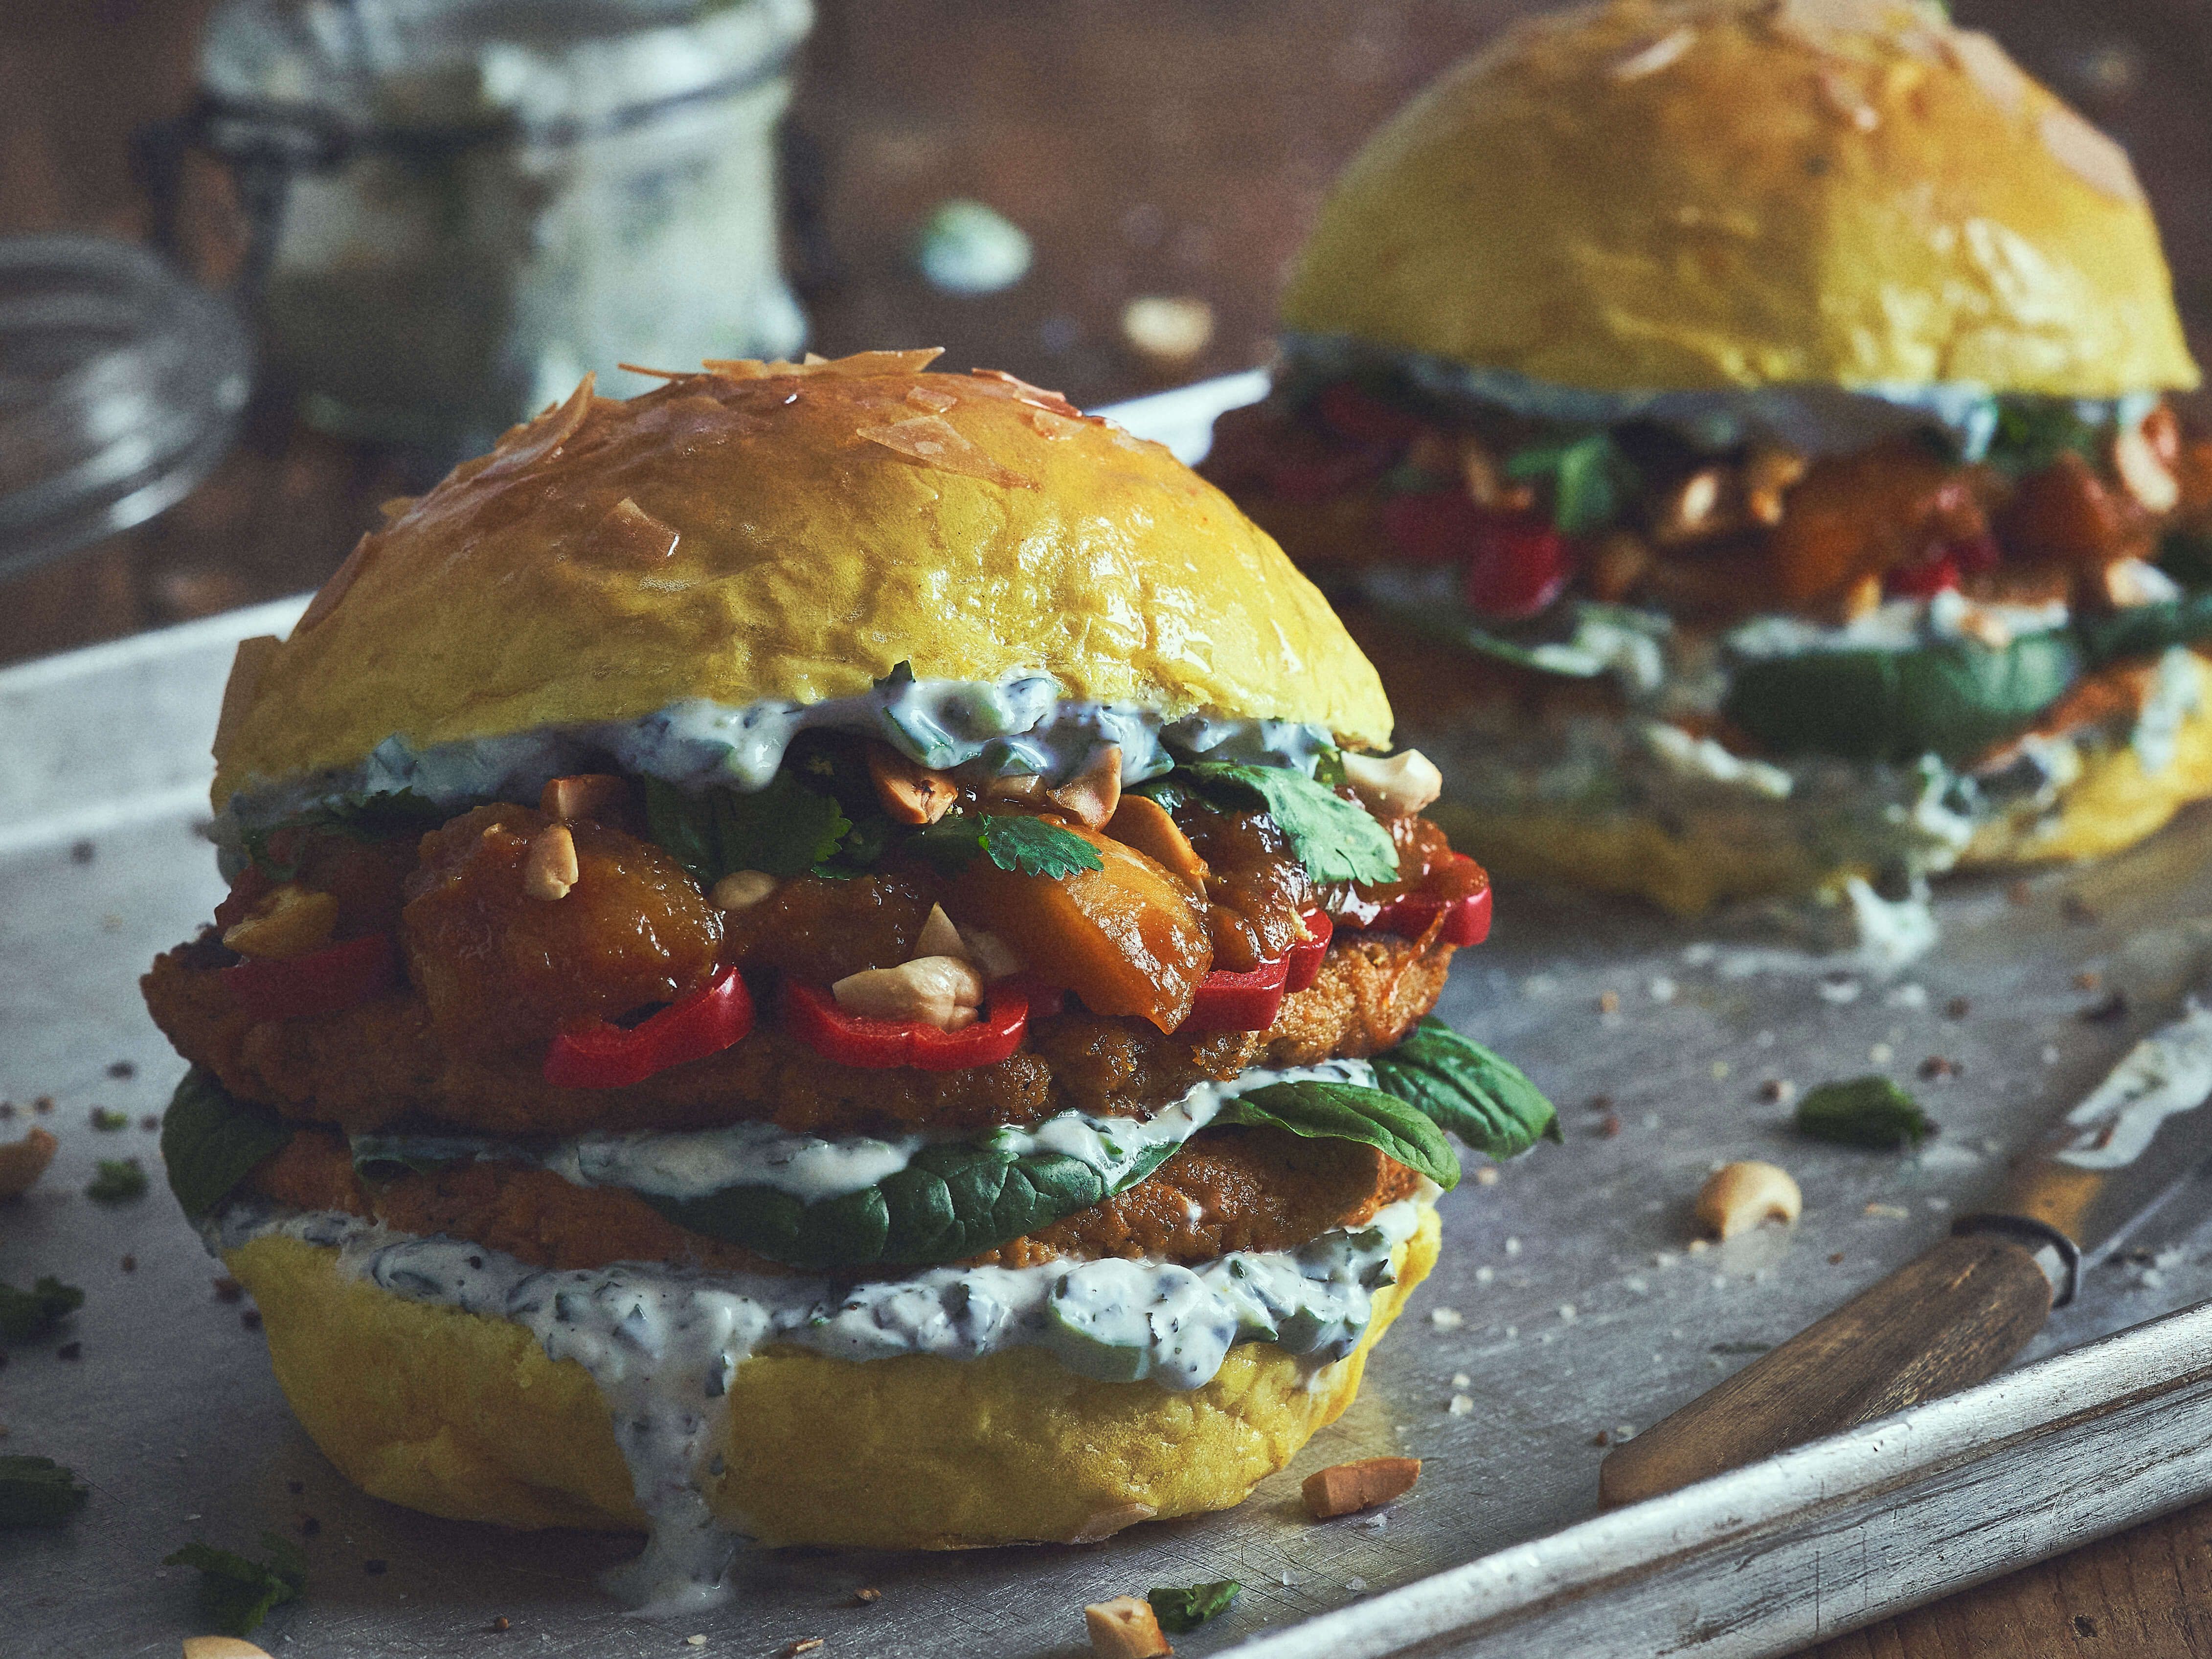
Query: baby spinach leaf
[[211, 1141], [1864, 1112], [37, 1492], [26, 1314], [1336, 839], [1318, 1110], [1488, 1102], [237, 1592], [1180, 1611], [2145, 630]]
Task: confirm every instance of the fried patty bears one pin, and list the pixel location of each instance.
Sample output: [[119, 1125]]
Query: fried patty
[[1228, 1190], [382, 1064]]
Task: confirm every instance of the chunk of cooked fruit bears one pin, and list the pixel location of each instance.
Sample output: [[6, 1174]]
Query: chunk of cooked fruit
[[820, 930], [1128, 938], [1255, 888], [502, 971]]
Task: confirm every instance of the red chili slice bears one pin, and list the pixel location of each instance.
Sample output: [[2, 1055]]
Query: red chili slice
[[596, 1054], [1467, 919], [324, 981], [1516, 567], [1238, 1002], [1362, 418], [810, 1013], [1306, 955]]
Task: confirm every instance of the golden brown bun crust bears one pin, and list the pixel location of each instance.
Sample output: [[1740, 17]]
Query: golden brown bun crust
[[1714, 193], [979, 532], [463, 1416]]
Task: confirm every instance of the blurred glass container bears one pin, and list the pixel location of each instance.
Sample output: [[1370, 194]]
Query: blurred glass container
[[457, 207], [121, 385]]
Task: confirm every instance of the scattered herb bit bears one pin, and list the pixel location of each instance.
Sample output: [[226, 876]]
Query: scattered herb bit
[[70, 1351], [1589, 478], [1865, 1111], [1336, 839], [120, 1179], [236, 1592], [121, 1068], [108, 1121], [43, 1103], [37, 1492], [129, 1264], [1184, 1609], [2110, 1011], [1741, 1347], [26, 1314], [209, 1142], [2032, 435]]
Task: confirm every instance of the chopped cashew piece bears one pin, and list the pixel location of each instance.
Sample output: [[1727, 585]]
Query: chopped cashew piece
[[2147, 477], [997, 958], [1737, 1197], [289, 922], [939, 937], [586, 795], [1143, 823], [741, 889], [1015, 786], [910, 791], [1348, 1488], [550, 868], [1091, 796], [1394, 786], [221, 1647], [1124, 1628], [23, 1162], [941, 991]]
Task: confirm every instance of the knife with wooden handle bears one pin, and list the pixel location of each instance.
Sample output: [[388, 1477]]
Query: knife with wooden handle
[[1955, 1315]]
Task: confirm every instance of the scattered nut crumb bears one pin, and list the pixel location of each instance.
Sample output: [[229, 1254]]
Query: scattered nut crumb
[[23, 1162], [1460, 1405], [1447, 1319], [1937, 1065], [1608, 1002], [228, 1289], [1347, 1488], [2088, 980], [1487, 1176], [1124, 1628], [1880, 1053], [1721, 1069], [1836, 1259], [804, 1645], [500, 1623], [1886, 1211], [1601, 1438], [865, 1596], [1460, 1380], [1608, 1126], [43, 1103], [1778, 1091], [129, 1264], [1737, 1197], [1958, 1008]]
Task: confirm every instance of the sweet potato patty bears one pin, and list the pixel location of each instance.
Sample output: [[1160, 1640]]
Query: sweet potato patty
[[1229, 1189], [382, 1064]]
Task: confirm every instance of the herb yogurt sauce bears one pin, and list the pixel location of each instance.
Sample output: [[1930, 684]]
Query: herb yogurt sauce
[[663, 1342], [1019, 724]]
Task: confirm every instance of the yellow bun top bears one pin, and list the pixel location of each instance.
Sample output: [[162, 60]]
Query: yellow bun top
[[771, 531], [1704, 194]]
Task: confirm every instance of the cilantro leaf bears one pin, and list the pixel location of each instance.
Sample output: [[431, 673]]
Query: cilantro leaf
[[363, 818], [120, 1179], [237, 1592], [1336, 839], [1488, 1102], [1180, 1611], [1012, 841], [2033, 433], [1589, 478], [25, 1314], [1864, 1112], [37, 1492], [210, 1141], [785, 829], [108, 1121]]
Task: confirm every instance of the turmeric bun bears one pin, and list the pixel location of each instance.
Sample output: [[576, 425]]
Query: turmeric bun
[[793, 532], [465, 1416], [1706, 194]]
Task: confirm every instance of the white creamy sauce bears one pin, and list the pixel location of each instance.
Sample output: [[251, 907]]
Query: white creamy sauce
[[663, 1342], [694, 1163], [1900, 624], [1020, 724], [2168, 1071]]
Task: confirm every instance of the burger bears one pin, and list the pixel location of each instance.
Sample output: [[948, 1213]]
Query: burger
[[816, 955], [1744, 431]]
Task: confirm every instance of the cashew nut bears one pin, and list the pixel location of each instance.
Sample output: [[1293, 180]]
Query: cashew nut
[[221, 1647], [1394, 784], [1091, 796], [909, 791], [550, 868], [741, 889], [586, 795], [939, 937], [941, 991], [289, 922], [1737, 1197], [2148, 477], [23, 1162], [1124, 1628]]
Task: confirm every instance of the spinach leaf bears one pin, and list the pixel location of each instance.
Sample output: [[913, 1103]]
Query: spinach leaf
[[785, 829], [363, 818], [26, 1314], [37, 1492], [2031, 434], [1488, 1102], [210, 1141], [237, 1592], [1184, 1610], [1344, 1111], [2145, 630], [1590, 479], [1864, 1112], [1012, 841], [119, 1180], [1336, 839], [387, 1158]]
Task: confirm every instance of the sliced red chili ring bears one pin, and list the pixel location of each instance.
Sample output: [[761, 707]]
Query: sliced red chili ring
[[1306, 955], [596, 1054], [325, 982], [810, 1013], [1466, 919], [1238, 1002]]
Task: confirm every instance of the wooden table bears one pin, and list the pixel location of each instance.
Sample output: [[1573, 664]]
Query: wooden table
[[1148, 147]]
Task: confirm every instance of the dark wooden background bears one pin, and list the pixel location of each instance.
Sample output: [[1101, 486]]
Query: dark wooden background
[[1163, 147]]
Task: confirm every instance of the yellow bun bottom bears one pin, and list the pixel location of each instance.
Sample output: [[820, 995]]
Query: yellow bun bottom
[[463, 1415], [2111, 806]]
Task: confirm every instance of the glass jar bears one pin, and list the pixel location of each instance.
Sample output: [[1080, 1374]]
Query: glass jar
[[460, 207]]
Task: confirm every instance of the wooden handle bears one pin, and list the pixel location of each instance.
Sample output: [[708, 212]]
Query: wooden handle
[[1948, 1319]]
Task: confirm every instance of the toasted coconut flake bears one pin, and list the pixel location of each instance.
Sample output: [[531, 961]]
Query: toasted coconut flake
[[395, 506], [656, 374], [861, 365], [524, 446], [929, 397], [637, 533], [1024, 392], [343, 579], [1651, 59], [1989, 66], [2093, 158], [933, 442]]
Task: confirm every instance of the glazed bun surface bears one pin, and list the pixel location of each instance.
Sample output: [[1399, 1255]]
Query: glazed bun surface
[[1707, 194], [773, 532]]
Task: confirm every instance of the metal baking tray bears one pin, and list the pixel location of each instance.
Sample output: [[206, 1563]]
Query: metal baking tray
[[1566, 1297]]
